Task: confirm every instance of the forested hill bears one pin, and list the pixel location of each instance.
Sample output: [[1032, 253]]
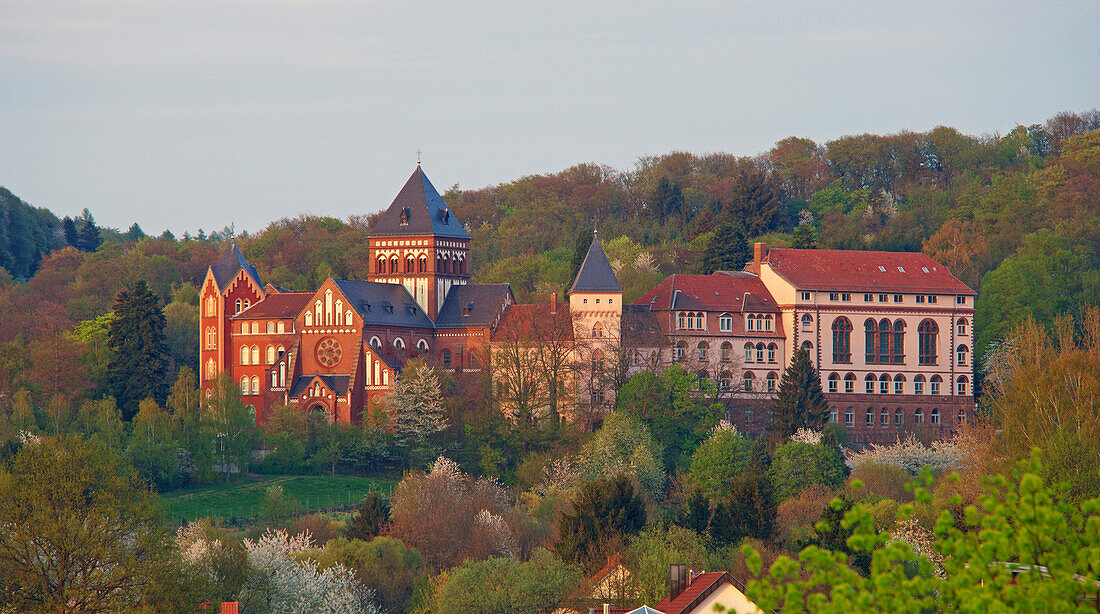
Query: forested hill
[[26, 234], [1016, 216]]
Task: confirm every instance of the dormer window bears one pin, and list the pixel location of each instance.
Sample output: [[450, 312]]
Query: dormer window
[[468, 309], [404, 216], [445, 215]]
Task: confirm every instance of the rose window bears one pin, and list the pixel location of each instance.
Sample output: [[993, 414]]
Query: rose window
[[329, 352]]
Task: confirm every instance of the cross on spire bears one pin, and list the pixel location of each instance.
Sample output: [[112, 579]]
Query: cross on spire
[[418, 152]]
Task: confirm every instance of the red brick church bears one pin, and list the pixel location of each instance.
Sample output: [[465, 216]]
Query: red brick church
[[337, 350]]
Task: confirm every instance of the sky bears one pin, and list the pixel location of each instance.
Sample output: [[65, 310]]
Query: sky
[[196, 114]]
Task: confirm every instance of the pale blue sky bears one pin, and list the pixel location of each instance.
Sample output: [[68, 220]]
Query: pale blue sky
[[202, 113]]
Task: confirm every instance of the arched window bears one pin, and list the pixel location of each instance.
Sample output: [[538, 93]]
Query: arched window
[[960, 385], [869, 383], [746, 380], [834, 382], [727, 351], [935, 384], [210, 368], [832, 415], [849, 416], [926, 341], [768, 322], [918, 384], [255, 328], [698, 321], [422, 264], [309, 318], [935, 415], [702, 349], [318, 315], [255, 354], [282, 374], [597, 330], [247, 304], [681, 347], [422, 345], [748, 352], [347, 318], [806, 345], [884, 417], [883, 384], [962, 326], [208, 339], [884, 329], [244, 328], [898, 349], [918, 415], [244, 385], [270, 327], [409, 264], [842, 340], [771, 352], [238, 305], [376, 343], [680, 320], [339, 313], [960, 417], [961, 354], [280, 350], [869, 417], [393, 265], [759, 352], [244, 354], [280, 327], [270, 354], [850, 383], [807, 322], [255, 384], [381, 265], [899, 384], [869, 340], [750, 322], [274, 379], [897, 417], [399, 343], [210, 305], [771, 379], [446, 358], [724, 381]]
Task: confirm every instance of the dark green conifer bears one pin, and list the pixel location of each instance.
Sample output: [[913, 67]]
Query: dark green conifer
[[136, 337], [728, 250], [800, 402]]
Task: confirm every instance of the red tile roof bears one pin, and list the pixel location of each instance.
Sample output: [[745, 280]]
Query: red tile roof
[[722, 291], [700, 588], [862, 271], [283, 305], [526, 322]]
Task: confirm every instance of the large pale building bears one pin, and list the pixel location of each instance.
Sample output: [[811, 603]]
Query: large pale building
[[890, 333]]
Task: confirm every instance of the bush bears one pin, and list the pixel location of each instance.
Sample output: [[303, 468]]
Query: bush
[[884, 480], [798, 465], [604, 514], [372, 518], [719, 459], [383, 563], [802, 511], [321, 529]]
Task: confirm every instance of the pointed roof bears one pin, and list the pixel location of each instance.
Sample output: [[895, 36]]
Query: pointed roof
[[231, 263], [419, 210], [596, 274]]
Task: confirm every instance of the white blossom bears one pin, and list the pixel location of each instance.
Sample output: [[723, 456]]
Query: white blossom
[[805, 435], [558, 474], [27, 438], [724, 426], [921, 540], [911, 455], [496, 526]]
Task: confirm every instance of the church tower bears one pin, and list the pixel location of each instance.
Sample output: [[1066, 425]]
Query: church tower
[[419, 244], [596, 303], [231, 286]]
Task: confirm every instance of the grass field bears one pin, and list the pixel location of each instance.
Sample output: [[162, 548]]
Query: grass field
[[242, 498]]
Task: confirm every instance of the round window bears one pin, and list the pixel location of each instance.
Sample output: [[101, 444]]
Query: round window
[[329, 352]]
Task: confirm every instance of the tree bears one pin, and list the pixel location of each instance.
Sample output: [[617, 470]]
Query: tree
[[580, 250], [136, 338], [754, 204], [68, 228], [1023, 547], [604, 513], [89, 238], [506, 586], [804, 237], [666, 199], [717, 461], [796, 465], [748, 511], [623, 445], [390, 568], [371, 519], [416, 405], [232, 425], [652, 551], [82, 534], [727, 250], [800, 402]]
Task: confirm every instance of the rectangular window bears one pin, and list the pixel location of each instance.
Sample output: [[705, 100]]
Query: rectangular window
[[884, 386], [281, 327], [805, 296], [868, 298], [849, 385], [846, 296], [832, 385], [771, 384], [932, 298], [870, 386], [725, 324], [918, 387], [834, 296], [882, 298], [884, 418], [771, 354], [832, 415], [935, 387], [869, 417], [750, 323], [920, 298], [898, 298], [849, 417], [960, 300], [899, 387], [960, 388]]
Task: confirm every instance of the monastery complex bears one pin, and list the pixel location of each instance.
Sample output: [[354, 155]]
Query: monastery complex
[[890, 333]]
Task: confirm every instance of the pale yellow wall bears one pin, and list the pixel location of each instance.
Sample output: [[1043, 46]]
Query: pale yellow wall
[[733, 599]]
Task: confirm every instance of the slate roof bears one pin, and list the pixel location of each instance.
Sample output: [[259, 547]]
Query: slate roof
[[426, 212], [474, 305], [733, 291], [863, 271], [700, 588], [231, 262], [279, 305], [596, 274], [640, 327], [382, 304], [336, 383]]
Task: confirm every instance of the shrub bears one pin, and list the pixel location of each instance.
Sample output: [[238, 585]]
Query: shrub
[[719, 459], [798, 513], [322, 529], [798, 465], [884, 480], [372, 518]]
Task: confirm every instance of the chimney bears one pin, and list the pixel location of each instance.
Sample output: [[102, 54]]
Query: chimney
[[677, 579], [759, 252], [554, 303]]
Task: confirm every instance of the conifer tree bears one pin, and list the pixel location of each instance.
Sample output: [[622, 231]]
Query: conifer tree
[[804, 237], [728, 250], [416, 404], [72, 237], [800, 402], [89, 239], [136, 337]]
